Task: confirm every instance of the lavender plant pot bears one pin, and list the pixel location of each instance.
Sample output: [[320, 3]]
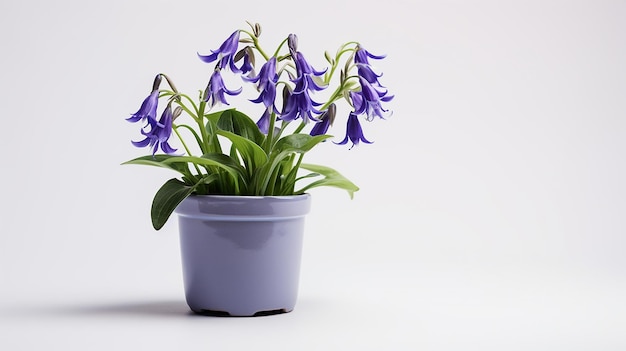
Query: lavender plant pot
[[241, 254]]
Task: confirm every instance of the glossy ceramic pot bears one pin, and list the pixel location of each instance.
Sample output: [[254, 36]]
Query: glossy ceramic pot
[[241, 254]]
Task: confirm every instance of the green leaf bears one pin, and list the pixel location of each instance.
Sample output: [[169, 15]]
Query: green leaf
[[214, 116], [167, 198], [282, 150], [252, 153], [331, 178], [300, 143], [211, 159], [239, 123], [164, 161]]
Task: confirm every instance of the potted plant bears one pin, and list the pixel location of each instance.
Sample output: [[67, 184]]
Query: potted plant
[[242, 188]]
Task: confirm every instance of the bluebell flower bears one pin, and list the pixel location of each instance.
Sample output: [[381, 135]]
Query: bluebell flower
[[248, 60], [361, 56], [368, 101], [326, 120], [225, 55], [159, 134], [300, 104], [216, 89], [266, 83], [147, 111], [354, 132], [363, 66], [264, 122]]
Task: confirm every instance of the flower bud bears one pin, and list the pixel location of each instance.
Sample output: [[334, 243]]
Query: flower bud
[[292, 42], [157, 82], [177, 111]]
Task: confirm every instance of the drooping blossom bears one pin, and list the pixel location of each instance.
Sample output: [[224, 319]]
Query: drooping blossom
[[159, 134], [326, 120], [248, 60], [266, 83], [148, 110], [264, 122], [300, 104], [225, 55], [368, 100], [216, 89], [354, 132], [364, 68]]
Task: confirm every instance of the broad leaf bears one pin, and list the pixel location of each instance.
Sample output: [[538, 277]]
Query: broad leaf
[[252, 153], [167, 198], [239, 123], [331, 178], [300, 143]]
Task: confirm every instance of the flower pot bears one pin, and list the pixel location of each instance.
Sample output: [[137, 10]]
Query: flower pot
[[241, 254]]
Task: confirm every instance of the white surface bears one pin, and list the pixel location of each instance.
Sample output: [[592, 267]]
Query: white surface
[[491, 215]]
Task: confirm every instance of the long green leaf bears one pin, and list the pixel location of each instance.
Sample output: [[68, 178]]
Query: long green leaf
[[299, 143], [254, 155], [331, 178], [163, 161], [284, 148], [212, 159]]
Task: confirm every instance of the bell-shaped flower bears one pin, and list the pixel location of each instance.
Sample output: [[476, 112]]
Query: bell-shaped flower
[[266, 83], [364, 67], [159, 134], [354, 132], [147, 111], [225, 55], [264, 122], [361, 56], [248, 61], [368, 101], [300, 104], [216, 89], [326, 120]]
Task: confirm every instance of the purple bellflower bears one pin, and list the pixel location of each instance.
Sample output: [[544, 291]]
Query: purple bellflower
[[159, 134], [326, 120], [248, 60], [216, 89], [266, 84], [300, 104], [361, 56], [368, 101], [354, 132], [225, 55], [148, 110], [364, 68], [264, 122]]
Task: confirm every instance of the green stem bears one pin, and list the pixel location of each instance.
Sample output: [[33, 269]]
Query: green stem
[[205, 145], [175, 128], [255, 41], [198, 140], [333, 68]]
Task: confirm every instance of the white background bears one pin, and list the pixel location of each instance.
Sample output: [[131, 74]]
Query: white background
[[491, 215]]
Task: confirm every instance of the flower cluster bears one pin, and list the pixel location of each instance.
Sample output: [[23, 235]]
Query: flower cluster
[[265, 152]]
